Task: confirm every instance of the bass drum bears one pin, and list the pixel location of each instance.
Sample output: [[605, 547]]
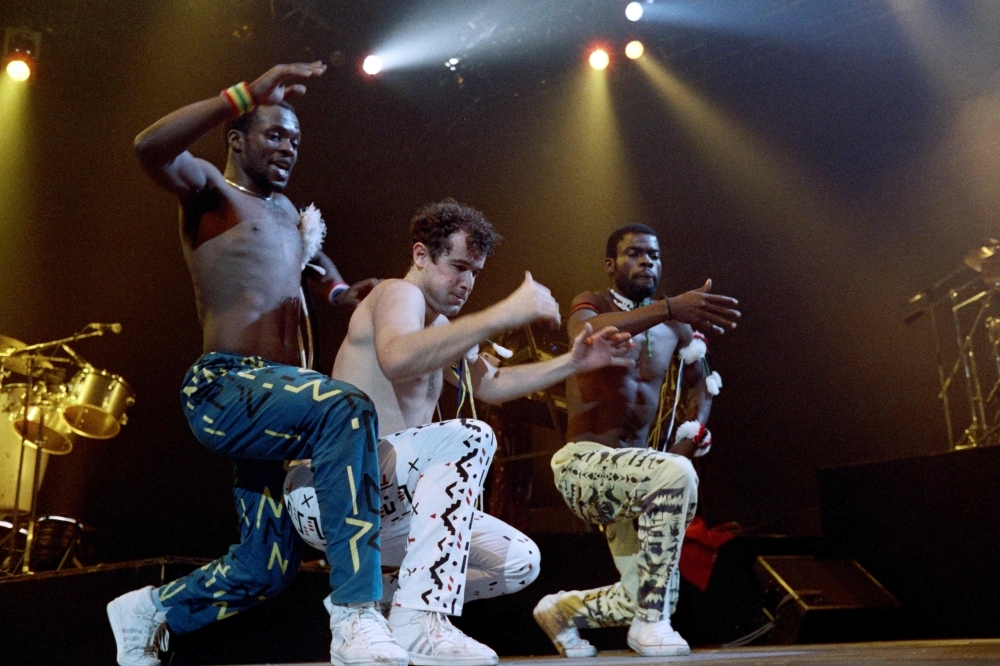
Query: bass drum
[[10, 453]]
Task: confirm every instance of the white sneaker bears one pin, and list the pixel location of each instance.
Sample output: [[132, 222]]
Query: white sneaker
[[563, 635], [140, 630], [432, 640], [656, 639], [361, 636]]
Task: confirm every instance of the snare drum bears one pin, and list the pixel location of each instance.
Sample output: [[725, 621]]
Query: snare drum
[[96, 403], [42, 426]]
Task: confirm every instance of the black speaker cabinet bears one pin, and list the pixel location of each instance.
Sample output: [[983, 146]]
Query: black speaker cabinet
[[820, 600]]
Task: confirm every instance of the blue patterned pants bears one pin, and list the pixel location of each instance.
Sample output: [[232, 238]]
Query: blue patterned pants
[[262, 414]]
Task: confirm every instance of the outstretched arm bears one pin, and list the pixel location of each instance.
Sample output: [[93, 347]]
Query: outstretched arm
[[698, 308], [329, 284], [407, 346], [589, 352], [163, 146]]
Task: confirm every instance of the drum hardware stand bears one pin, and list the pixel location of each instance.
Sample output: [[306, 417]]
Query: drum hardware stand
[[549, 400], [29, 537], [10, 565], [978, 428], [984, 412]]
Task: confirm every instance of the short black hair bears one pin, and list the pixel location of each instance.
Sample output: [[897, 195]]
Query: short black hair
[[618, 234], [434, 224], [242, 124]]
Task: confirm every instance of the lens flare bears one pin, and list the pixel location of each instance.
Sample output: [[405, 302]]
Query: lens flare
[[372, 65], [633, 11], [18, 70], [634, 49], [599, 59]]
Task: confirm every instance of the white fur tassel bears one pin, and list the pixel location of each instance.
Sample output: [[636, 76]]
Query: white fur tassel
[[695, 351], [688, 430], [713, 383], [500, 349], [313, 230]]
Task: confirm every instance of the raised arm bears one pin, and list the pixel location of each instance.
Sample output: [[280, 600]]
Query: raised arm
[[590, 351], [162, 148], [407, 349], [698, 308]]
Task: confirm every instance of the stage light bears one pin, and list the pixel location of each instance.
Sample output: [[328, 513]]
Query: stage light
[[633, 11], [634, 49], [372, 65], [599, 59], [18, 70], [20, 49]]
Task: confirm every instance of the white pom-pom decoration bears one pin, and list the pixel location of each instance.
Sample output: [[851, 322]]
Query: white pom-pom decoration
[[713, 383], [695, 350]]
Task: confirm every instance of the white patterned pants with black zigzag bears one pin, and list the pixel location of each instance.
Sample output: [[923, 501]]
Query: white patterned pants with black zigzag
[[446, 550], [613, 487]]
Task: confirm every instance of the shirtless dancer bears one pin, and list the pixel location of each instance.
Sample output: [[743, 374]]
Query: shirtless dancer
[[399, 346], [247, 397], [614, 408]]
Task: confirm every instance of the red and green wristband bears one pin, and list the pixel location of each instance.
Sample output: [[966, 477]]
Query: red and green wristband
[[240, 99]]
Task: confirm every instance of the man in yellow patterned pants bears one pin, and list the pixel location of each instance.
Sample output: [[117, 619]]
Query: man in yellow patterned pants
[[608, 476]]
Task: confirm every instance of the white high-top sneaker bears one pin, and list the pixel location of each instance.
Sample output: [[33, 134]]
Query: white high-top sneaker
[[140, 630], [656, 639], [563, 635], [432, 640], [361, 636]]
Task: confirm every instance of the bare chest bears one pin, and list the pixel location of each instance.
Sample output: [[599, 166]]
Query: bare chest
[[653, 351]]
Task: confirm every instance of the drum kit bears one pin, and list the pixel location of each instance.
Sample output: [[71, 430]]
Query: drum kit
[[969, 371], [50, 400]]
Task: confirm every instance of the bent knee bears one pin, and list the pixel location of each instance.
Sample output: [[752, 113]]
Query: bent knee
[[270, 582], [481, 432], [675, 472], [523, 564]]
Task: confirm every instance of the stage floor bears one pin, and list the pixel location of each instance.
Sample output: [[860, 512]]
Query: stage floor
[[951, 652]]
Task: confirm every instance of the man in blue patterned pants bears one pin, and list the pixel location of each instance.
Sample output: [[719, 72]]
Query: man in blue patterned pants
[[247, 397]]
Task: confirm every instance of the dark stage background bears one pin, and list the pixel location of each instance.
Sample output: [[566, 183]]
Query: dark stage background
[[837, 157]]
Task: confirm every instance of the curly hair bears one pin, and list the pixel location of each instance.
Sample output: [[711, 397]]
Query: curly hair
[[618, 234], [244, 122], [434, 224]]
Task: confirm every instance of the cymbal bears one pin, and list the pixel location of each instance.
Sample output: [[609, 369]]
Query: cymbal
[[9, 344], [24, 364], [984, 255]]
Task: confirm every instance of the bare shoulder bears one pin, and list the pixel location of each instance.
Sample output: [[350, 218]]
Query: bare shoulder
[[394, 288], [592, 298], [395, 298]]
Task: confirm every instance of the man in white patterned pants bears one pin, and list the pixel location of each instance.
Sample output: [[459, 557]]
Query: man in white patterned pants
[[497, 559], [607, 475], [400, 345]]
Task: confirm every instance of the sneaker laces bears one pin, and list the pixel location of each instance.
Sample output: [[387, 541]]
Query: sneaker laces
[[369, 624], [159, 642], [438, 623]]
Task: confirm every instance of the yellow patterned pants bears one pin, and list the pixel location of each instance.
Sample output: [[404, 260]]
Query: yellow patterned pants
[[613, 488]]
